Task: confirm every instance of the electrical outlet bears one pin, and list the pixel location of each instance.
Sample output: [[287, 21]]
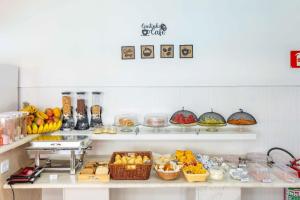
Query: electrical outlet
[[4, 166]]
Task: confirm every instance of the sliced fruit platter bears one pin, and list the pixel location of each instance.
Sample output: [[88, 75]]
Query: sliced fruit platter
[[42, 122]]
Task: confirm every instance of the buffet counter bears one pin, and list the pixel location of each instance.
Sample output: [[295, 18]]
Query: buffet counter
[[65, 180], [72, 188]]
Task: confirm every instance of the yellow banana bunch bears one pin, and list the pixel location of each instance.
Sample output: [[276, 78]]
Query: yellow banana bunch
[[41, 115], [30, 109]]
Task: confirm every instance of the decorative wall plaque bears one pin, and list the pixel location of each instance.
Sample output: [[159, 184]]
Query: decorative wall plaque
[[153, 29], [167, 51]]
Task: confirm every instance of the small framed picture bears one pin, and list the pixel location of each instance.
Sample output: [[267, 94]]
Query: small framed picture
[[186, 51], [128, 52], [167, 51], [147, 51]]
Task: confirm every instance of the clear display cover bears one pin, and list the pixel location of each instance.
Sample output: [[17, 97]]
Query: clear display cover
[[156, 120]]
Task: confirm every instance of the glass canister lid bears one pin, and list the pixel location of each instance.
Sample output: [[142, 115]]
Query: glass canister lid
[[212, 119], [183, 117], [241, 118]]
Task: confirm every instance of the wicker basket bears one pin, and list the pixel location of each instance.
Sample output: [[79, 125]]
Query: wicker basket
[[196, 177], [168, 175], [130, 172]]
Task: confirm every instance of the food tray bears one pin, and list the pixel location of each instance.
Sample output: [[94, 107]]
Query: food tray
[[129, 171], [94, 177], [54, 141], [196, 177], [103, 178]]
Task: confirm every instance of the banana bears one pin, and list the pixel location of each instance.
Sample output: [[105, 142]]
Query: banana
[[40, 130], [34, 128], [46, 128], [41, 115], [51, 127], [54, 126], [58, 126], [29, 129], [30, 109]]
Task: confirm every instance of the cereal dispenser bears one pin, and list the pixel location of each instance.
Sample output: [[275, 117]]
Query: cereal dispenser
[[67, 111], [96, 110], [82, 117]]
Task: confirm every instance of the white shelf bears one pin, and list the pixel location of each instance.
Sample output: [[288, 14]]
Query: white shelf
[[170, 134], [18, 143], [175, 136]]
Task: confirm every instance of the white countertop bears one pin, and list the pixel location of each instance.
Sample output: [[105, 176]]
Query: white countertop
[[69, 181]]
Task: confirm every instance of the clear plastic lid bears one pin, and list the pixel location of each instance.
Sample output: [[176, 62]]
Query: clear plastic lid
[[183, 117], [285, 173], [156, 120], [212, 119], [260, 173], [241, 118], [126, 120]]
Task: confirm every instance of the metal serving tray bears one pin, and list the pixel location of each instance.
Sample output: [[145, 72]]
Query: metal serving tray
[[60, 142]]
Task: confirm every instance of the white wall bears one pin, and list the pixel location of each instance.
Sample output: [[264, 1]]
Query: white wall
[[9, 91], [236, 42], [241, 60]]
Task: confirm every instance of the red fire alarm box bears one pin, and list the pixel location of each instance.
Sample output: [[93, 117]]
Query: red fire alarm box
[[295, 59]]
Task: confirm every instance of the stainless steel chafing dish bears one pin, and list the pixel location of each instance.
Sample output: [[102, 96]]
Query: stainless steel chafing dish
[[49, 147]]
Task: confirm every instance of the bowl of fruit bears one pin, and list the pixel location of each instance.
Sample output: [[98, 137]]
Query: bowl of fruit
[[168, 171], [184, 118]]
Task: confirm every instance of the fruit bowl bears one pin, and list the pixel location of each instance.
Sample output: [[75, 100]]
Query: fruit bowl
[[184, 118], [168, 175]]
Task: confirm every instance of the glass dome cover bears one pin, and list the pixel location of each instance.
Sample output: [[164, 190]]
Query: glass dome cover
[[212, 119], [183, 117], [241, 118]]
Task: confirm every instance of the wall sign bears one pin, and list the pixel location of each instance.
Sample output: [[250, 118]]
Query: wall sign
[[128, 52], [295, 59], [153, 29], [167, 51], [147, 51], [186, 51]]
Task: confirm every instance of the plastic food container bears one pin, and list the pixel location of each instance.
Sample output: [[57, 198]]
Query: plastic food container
[[285, 173], [260, 173], [126, 122], [216, 173], [13, 126], [196, 177], [156, 120]]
